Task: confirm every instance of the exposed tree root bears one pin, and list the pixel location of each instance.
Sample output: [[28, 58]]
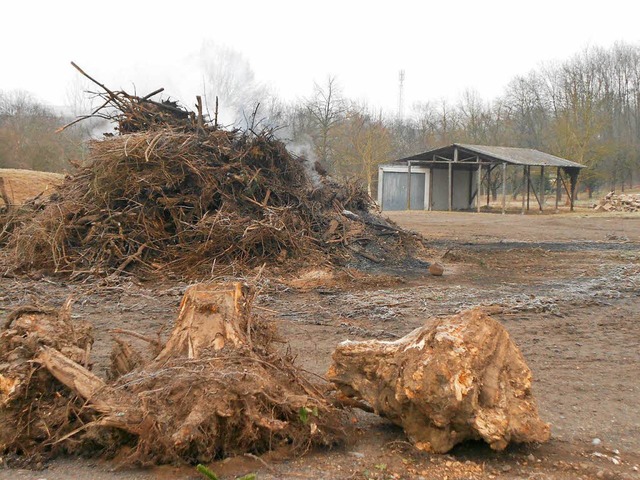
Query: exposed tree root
[[454, 379], [215, 389]]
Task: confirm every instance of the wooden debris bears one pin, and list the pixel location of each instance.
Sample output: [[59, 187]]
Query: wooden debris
[[624, 202], [454, 379], [216, 389], [173, 192]]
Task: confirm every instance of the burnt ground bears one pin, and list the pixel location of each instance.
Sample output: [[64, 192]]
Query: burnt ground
[[566, 287]]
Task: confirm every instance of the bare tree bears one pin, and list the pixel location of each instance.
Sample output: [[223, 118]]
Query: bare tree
[[326, 109]]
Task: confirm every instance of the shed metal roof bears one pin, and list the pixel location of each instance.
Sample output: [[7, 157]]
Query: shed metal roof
[[512, 155]]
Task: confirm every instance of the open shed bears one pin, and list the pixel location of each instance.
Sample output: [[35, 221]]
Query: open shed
[[451, 177]]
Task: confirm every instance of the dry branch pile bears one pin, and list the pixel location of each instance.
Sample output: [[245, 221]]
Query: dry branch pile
[[625, 202], [454, 379], [215, 389], [172, 192]]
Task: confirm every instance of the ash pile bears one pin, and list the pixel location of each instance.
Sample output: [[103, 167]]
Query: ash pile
[[173, 193], [624, 202]]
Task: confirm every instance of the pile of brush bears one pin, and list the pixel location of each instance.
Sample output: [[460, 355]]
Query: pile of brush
[[624, 202], [173, 192]]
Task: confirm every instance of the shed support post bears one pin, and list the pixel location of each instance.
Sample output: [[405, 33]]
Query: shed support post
[[488, 184], [528, 170], [524, 181], [450, 186], [409, 185], [558, 182], [541, 188], [573, 178], [478, 184], [504, 188]]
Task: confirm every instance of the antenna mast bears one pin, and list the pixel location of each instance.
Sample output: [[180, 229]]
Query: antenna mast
[[401, 95]]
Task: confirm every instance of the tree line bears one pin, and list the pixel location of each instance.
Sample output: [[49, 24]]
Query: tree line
[[28, 137], [586, 109]]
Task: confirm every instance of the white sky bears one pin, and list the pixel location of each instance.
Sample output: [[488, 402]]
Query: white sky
[[291, 44]]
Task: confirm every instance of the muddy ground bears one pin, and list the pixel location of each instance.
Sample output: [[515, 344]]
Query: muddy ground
[[567, 287]]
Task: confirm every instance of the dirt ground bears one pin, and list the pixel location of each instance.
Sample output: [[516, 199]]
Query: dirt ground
[[25, 184], [565, 286]]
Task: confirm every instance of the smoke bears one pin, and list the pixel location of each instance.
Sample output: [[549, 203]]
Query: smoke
[[227, 74], [304, 150]]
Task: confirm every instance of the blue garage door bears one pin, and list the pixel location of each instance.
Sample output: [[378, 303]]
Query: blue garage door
[[394, 191]]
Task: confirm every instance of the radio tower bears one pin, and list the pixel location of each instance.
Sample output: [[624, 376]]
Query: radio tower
[[401, 95]]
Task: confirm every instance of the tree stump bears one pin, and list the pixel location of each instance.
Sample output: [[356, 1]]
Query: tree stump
[[216, 388], [209, 318], [453, 379]]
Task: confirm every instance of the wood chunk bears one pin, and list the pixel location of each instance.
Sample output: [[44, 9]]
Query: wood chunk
[[209, 318], [451, 380], [436, 269]]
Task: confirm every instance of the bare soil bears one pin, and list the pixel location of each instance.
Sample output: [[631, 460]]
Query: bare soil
[[22, 185], [565, 286]]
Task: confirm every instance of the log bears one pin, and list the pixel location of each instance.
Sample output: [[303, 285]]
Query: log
[[117, 407], [451, 380]]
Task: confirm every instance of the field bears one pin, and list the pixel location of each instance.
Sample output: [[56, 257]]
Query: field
[[22, 185], [565, 286]]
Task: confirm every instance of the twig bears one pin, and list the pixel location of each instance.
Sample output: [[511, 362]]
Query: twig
[[131, 333], [265, 464]]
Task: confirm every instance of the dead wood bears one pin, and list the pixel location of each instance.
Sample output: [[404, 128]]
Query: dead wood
[[124, 359], [454, 379], [173, 193], [116, 407], [209, 319], [33, 405], [211, 392], [4, 196]]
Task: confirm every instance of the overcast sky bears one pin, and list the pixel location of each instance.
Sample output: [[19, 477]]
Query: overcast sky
[[443, 46]]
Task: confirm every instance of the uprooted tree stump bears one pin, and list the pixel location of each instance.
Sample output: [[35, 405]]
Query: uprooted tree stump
[[215, 389], [451, 380], [34, 407]]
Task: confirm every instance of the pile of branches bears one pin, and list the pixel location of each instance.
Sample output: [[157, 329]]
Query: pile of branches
[[624, 202], [174, 192]]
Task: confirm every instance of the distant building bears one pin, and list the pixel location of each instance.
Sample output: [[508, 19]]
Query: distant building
[[450, 178]]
